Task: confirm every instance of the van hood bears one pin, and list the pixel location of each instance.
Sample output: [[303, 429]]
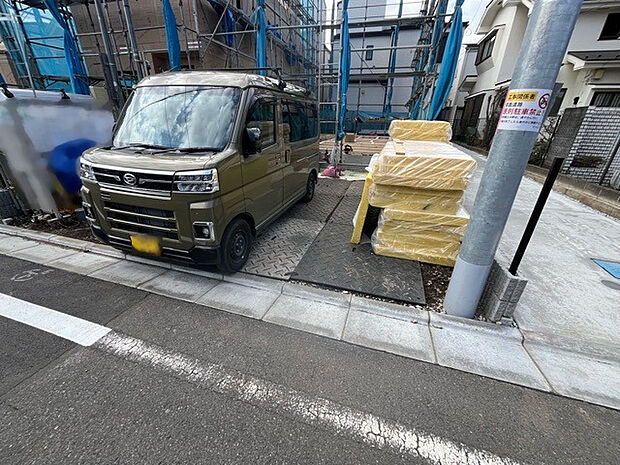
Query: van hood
[[130, 159]]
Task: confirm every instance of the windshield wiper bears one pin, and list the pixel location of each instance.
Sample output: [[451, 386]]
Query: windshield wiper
[[143, 146], [198, 149]]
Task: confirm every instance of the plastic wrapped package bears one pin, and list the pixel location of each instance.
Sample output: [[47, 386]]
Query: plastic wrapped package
[[362, 209], [420, 130], [416, 221], [427, 237], [424, 165], [408, 198]]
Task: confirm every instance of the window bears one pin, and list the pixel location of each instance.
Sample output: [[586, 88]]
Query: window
[[369, 52], [557, 103], [180, 117], [606, 99], [302, 120], [262, 115], [611, 28], [485, 49]]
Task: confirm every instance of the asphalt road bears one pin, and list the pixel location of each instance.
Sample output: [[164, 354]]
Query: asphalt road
[[64, 403]]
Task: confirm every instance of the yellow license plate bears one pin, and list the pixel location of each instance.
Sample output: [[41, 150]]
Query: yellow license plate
[[146, 244]]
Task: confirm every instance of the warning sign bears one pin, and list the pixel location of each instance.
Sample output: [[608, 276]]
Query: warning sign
[[524, 109]]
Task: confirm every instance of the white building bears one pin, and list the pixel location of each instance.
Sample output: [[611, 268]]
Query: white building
[[590, 73]]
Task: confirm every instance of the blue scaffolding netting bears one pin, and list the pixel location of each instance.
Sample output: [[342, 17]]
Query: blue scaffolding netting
[[258, 18], [345, 69], [172, 37], [448, 63]]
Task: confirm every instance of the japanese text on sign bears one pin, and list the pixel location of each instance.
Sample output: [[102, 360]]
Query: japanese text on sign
[[524, 109]]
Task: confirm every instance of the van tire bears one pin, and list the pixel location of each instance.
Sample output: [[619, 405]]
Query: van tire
[[235, 246], [310, 188]]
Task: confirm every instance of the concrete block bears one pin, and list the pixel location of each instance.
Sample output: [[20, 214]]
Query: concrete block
[[495, 308], [130, 274], [310, 316], [485, 349], [257, 282], [316, 294], [407, 337], [11, 244], [198, 272], [69, 242], [43, 253], [103, 249], [148, 261], [242, 300], [179, 285], [83, 263], [578, 375], [388, 309]]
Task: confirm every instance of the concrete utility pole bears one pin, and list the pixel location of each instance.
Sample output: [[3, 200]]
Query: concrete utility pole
[[542, 51]]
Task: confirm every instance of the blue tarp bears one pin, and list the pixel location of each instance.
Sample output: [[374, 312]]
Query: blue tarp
[[63, 162], [448, 64], [172, 38], [77, 73], [345, 68], [2, 81], [258, 18], [387, 108]]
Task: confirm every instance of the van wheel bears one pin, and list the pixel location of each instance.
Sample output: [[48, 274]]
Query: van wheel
[[310, 188], [235, 247]]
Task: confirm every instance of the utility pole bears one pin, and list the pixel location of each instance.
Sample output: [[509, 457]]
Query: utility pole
[[542, 51]]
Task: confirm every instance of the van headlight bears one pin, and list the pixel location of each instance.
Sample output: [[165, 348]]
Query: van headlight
[[197, 181], [86, 171]]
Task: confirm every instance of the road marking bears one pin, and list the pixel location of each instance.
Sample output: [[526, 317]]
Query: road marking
[[345, 421], [315, 411], [28, 275], [66, 326]]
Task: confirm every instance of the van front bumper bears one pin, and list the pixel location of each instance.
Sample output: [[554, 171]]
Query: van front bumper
[[199, 255]]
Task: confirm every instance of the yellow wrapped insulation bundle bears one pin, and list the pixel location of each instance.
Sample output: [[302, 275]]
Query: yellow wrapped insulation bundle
[[427, 237], [423, 165], [409, 198], [420, 130]]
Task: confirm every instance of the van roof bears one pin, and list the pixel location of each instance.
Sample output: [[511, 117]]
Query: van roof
[[217, 78]]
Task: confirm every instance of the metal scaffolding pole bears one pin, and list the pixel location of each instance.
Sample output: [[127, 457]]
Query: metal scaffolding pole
[[133, 42], [109, 57], [551, 22]]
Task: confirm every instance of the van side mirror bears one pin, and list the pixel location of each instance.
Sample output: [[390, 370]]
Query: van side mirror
[[253, 137]]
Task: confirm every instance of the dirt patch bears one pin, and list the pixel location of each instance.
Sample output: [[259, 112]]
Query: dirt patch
[[69, 226], [436, 279]]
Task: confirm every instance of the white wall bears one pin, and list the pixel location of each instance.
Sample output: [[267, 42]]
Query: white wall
[[587, 31]]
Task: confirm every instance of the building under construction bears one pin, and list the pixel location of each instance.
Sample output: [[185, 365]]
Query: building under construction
[[106, 46]]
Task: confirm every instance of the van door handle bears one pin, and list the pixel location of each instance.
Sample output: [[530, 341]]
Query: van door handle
[[287, 155]]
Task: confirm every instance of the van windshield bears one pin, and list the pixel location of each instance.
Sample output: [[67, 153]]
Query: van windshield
[[179, 117]]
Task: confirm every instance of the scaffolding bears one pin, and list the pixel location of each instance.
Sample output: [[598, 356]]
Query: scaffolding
[[121, 41]]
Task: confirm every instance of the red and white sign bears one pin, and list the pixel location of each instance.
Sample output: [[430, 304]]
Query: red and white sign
[[524, 109]]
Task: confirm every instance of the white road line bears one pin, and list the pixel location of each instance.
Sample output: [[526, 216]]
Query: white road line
[[316, 411], [66, 326]]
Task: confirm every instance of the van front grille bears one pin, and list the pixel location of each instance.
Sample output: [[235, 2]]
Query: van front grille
[[134, 219], [155, 183]]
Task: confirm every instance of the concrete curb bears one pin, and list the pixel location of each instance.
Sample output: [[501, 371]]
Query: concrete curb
[[472, 346]]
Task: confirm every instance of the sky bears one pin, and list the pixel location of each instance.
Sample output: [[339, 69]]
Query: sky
[[472, 12]]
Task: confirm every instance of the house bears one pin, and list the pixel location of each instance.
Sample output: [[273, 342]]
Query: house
[[590, 72], [464, 81]]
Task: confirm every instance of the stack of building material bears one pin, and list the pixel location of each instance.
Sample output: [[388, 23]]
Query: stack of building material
[[418, 180]]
